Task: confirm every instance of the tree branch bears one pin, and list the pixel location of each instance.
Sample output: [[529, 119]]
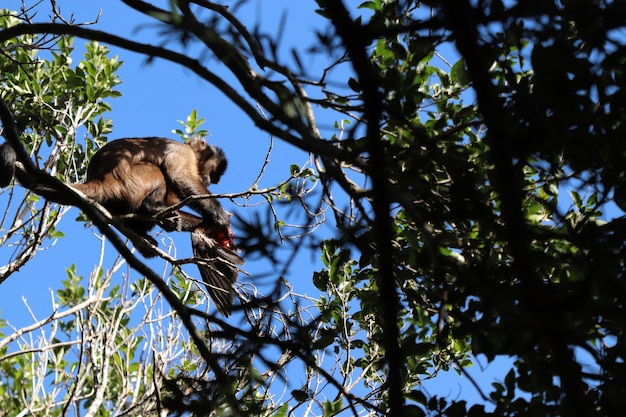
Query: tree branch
[[351, 34]]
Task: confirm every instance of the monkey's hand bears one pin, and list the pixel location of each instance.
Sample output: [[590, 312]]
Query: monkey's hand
[[219, 218], [220, 231]]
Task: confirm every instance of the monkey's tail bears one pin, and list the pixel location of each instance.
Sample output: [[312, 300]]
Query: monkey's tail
[[38, 182], [7, 164]]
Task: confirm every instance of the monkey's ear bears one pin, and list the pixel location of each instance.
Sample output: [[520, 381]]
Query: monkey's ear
[[7, 164], [198, 145]]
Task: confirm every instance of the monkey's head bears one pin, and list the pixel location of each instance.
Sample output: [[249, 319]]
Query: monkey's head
[[212, 161]]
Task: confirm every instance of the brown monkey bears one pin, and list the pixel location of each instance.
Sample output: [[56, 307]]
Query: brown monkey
[[146, 175], [120, 176]]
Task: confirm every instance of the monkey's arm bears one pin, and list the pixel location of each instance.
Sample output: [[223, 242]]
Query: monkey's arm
[[181, 168]]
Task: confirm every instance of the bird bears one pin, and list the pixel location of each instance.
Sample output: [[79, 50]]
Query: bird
[[219, 266]]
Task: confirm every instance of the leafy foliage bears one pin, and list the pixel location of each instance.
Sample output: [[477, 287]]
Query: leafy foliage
[[478, 204]]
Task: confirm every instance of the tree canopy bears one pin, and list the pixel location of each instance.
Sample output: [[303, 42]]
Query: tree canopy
[[473, 181]]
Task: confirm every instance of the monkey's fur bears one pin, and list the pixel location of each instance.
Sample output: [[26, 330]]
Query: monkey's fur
[[145, 176]]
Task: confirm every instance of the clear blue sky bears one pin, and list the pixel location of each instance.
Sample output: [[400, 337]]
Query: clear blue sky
[[155, 95]]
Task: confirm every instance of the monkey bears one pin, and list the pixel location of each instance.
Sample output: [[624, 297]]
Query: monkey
[[120, 176], [144, 176]]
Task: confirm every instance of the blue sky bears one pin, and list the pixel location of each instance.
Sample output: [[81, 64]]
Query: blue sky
[[155, 96]]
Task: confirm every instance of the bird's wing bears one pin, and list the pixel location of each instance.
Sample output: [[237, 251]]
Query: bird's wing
[[219, 269]]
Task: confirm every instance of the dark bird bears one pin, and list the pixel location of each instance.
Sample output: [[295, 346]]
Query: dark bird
[[218, 265]]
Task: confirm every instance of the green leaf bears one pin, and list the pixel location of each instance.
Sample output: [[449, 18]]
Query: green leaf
[[282, 410], [458, 73]]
